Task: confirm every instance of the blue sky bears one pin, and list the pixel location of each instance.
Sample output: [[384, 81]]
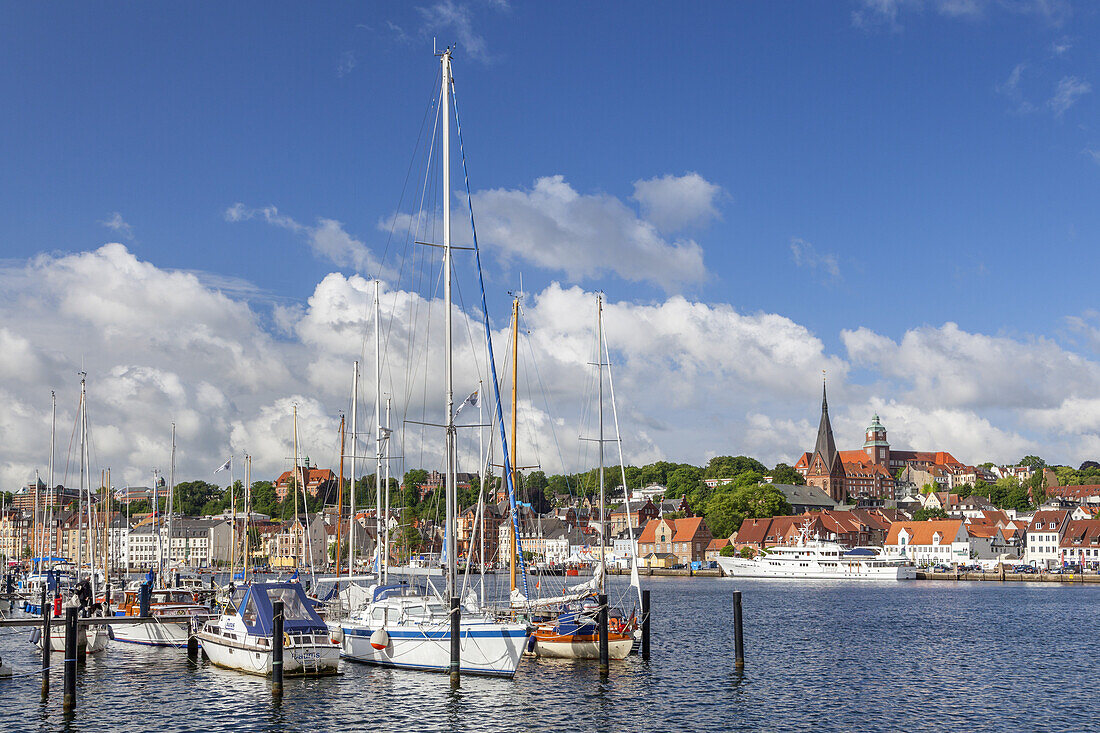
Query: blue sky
[[890, 165]]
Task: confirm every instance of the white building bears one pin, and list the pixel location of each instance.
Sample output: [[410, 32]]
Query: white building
[[1044, 535], [939, 541]]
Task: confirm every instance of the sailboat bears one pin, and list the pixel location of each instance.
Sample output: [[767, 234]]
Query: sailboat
[[91, 638], [573, 633], [400, 627]]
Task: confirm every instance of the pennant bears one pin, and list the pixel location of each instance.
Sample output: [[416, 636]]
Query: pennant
[[225, 466]]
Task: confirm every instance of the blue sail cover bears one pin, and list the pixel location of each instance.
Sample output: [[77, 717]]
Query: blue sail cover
[[258, 614]]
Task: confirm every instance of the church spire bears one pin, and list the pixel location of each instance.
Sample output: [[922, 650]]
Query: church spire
[[825, 446]]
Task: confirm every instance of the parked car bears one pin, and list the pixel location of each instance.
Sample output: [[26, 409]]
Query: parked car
[[679, 566], [1025, 569], [942, 569]]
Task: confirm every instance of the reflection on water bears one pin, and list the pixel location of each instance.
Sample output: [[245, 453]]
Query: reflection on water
[[820, 657]]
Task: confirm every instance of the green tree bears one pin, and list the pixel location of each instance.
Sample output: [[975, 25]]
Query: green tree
[[747, 552], [964, 491], [923, 514], [728, 551], [784, 474], [1032, 462], [729, 505]]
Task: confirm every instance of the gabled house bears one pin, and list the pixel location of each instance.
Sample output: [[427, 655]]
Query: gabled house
[[1044, 536], [929, 543]]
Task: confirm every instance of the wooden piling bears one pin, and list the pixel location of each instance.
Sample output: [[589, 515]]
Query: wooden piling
[[68, 700], [738, 637], [605, 666], [277, 650], [645, 624]]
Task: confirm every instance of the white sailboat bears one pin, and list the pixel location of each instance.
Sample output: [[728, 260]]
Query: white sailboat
[[399, 628], [91, 638]]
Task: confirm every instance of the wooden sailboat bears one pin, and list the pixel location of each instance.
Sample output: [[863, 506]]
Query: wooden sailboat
[[573, 634]]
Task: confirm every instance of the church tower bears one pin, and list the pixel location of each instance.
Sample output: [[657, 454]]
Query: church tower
[[876, 447], [826, 469]]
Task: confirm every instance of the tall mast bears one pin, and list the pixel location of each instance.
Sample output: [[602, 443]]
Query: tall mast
[[294, 487], [36, 532], [599, 372], [340, 499], [452, 585], [247, 510], [156, 530], [515, 403], [377, 431], [354, 450], [105, 556], [386, 508], [80, 501], [171, 495], [481, 483], [233, 518], [53, 450]]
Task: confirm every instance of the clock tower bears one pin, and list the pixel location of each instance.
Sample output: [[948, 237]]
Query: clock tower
[[875, 446]]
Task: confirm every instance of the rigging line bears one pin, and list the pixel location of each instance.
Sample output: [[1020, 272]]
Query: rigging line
[[626, 488], [432, 101], [546, 400], [408, 175], [492, 359]]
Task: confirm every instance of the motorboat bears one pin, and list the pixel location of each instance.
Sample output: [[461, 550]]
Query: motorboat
[[242, 636], [163, 602]]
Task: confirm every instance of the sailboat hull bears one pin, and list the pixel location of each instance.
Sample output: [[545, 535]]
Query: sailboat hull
[[581, 647], [485, 649]]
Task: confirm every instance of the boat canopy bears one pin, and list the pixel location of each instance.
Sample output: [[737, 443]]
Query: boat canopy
[[258, 614], [862, 551]]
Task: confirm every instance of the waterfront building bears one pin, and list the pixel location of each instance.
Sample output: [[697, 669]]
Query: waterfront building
[[686, 538], [57, 496], [714, 549], [1044, 537], [806, 498], [930, 543], [1080, 543]]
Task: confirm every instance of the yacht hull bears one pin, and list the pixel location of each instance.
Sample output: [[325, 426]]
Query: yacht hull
[[485, 649], [170, 634], [857, 570], [298, 660]]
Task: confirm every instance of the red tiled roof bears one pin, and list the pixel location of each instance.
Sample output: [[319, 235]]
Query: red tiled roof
[[920, 533], [1081, 533], [687, 528]]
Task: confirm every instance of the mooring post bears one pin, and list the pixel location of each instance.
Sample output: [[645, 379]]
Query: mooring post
[[645, 624], [277, 649], [47, 607], [738, 637], [456, 639], [68, 700], [145, 592], [601, 623]]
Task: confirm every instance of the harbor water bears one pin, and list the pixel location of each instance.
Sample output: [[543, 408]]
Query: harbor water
[[825, 656]]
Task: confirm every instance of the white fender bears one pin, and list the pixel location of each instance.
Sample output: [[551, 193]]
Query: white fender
[[380, 639]]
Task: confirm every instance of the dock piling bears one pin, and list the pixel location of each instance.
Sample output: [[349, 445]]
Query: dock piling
[[47, 607], [456, 638], [68, 700], [277, 650], [193, 648], [645, 624], [605, 666], [738, 637], [145, 593]]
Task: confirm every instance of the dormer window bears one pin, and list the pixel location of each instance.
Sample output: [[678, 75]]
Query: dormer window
[[1052, 525]]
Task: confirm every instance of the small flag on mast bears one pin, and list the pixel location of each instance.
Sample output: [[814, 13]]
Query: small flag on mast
[[225, 466], [471, 400]]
